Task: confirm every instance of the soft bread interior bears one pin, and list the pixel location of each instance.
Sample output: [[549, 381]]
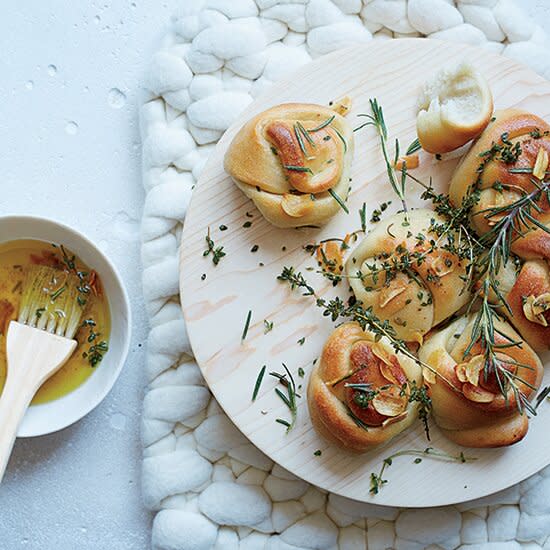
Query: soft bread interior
[[459, 94]]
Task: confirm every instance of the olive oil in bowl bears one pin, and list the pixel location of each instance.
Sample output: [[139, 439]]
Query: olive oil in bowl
[[16, 257]]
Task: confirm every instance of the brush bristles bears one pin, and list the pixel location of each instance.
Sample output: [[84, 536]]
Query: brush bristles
[[50, 301]]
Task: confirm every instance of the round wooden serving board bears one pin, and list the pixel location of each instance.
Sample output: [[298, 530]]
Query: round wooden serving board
[[216, 308]]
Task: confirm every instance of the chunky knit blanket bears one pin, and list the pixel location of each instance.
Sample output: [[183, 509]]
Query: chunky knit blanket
[[210, 487]]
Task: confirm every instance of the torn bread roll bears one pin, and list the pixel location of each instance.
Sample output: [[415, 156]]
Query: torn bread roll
[[469, 407], [508, 161], [358, 392], [455, 106], [406, 280], [294, 162]]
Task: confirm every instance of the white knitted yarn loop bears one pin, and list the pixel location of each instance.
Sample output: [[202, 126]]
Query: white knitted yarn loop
[[210, 486]]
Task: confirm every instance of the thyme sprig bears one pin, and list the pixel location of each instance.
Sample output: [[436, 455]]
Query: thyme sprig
[[216, 251], [377, 480], [336, 308], [420, 395]]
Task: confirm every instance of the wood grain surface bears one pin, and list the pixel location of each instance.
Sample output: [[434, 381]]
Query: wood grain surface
[[216, 308]]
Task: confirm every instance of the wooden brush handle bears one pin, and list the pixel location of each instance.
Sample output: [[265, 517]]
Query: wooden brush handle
[[32, 356], [13, 404]]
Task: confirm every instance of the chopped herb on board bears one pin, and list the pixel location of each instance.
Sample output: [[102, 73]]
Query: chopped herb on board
[[246, 325], [258, 383], [216, 251]]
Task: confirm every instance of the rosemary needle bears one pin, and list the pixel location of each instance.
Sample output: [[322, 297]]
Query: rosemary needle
[[339, 200], [323, 124], [414, 147], [363, 217], [258, 383], [294, 168], [246, 325]]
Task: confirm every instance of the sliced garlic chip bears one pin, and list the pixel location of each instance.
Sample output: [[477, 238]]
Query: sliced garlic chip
[[428, 375], [535, 307], [390, 402], [296, 206], [388, 293], [342, 106], [469, 371], [379, 351], [477, 394], [394, 419], [541, 164]]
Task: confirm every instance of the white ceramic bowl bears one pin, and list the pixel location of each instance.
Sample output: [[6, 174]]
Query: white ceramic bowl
[[58, 414]]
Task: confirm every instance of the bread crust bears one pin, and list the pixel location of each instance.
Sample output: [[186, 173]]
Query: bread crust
[[412, 305], [327, 402], [518, 127], [258, 154], [493, 421], [532, 280]]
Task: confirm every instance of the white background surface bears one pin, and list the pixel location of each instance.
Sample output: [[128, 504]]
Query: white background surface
[[70, 150]]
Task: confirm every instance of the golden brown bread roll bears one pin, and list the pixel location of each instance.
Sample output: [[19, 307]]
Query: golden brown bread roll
[[429, 284], [527, 293], [455, 106], [376, 407], [476, 413], [286, 159], [514, 140]]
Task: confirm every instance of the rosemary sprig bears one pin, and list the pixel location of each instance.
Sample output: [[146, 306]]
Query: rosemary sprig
[[376, 119], [515, 220], [300, 132], [287, 380], [377, 480]]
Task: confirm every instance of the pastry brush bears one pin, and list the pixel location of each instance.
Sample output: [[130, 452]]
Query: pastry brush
[[38, 344]]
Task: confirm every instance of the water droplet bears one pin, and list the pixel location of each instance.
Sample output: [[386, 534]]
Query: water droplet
[[29, 85], [83, 530], [118, 421], [52, 70], [97, 19], [116, 98], [71, 128]]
